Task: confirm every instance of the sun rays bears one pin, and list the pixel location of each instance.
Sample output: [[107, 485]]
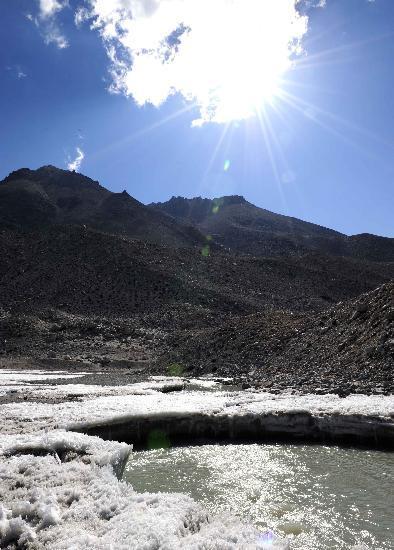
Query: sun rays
[[241, 64]]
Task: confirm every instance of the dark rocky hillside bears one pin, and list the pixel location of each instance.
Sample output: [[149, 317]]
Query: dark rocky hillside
[[88, 272], [37, 198], [239, 225], [50, 196], [201, 286], [348, 348]]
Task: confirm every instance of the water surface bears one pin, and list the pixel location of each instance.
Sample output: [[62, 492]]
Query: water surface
[[318, 497]]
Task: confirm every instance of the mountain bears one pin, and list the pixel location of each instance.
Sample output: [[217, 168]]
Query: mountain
[[214, 286], [239, 225], [48, 196], [67, 242], [74, 293]]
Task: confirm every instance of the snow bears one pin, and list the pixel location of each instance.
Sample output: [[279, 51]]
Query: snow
[[98, 404], [14, 529], [10, 377], [78, 502], [62, 489], [63, 445]]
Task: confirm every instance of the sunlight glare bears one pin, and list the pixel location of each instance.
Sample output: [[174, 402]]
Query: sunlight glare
[[228, 57], [244, 73]]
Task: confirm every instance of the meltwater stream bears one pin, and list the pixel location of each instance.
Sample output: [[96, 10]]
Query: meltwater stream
[[317, 497]]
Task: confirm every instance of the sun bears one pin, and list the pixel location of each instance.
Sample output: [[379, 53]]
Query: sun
[[243, 74], [243, 94]]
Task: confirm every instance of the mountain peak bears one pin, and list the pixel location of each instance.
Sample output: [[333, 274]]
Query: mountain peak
[[20, 174], [196, 209], [49, 174], [226, 199], [28, 173], [53, 196]]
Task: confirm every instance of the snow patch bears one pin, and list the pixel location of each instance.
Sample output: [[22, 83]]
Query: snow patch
[[80, 504], [67, 446], [9, 377], [98, 404]]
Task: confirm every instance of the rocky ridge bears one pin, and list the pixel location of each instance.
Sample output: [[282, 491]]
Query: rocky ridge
[[239, 225], [35, 199]]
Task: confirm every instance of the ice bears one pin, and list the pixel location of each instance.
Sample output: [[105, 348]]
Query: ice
[[65, 445], [98, 404], [62, 489], [204, 383], [14, 529], [78, 502], [11, 377]]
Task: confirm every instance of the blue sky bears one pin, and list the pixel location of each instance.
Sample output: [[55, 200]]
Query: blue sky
[[326, 156]]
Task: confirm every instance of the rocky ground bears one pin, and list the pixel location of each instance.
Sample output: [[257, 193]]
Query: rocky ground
[[346, 349]]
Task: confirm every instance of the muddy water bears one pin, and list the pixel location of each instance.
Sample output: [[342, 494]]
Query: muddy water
[[317, 497]]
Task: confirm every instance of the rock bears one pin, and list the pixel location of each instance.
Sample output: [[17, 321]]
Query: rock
[[362, 308], [172, 388]]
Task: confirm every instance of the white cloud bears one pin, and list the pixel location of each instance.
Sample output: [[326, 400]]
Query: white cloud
[[223, 55], [309, 4], [53, 35], [17, 71], [75, 164], [46, 22], [48, 8], [81, 15]]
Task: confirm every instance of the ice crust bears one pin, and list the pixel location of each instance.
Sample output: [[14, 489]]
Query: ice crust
[[99, 404], [66, 446], [78, 502], [62, 490], [9, 377]]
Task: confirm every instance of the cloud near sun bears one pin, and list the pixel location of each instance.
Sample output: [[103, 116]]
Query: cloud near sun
[[225, 56]]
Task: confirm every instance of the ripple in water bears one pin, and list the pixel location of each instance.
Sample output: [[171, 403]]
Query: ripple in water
[[317, 497]]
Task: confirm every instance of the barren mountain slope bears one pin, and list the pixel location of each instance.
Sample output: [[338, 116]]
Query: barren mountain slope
[[347, 348], [237, 224], [85, 271]]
